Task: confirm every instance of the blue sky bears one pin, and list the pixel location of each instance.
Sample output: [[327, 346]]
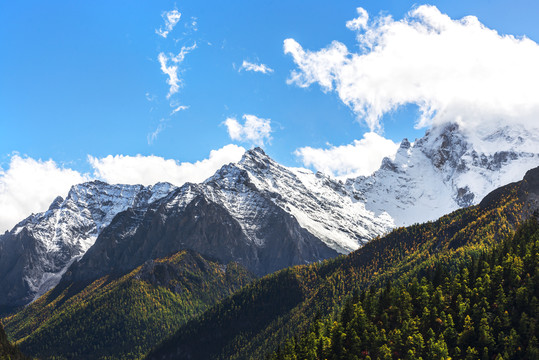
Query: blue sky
[[83, 78], [75, 74]]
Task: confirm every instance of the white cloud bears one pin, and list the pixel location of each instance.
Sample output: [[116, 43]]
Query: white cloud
[[249, 66], [254, 130], [153, 135], [179, 108], [193, 25], [453, 70], [172, 71], [148, 170], [171, 19], [360, 22], [29, 186], [362, 157]]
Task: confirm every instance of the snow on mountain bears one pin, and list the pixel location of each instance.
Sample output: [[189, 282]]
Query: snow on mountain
[[38, 250], [320, 204], [255, 212], [259, 212], [447, 169]]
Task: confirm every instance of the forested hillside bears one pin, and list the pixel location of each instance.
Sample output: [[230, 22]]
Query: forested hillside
[[487, 310], [255, 321], [7, 350], [123, 317]]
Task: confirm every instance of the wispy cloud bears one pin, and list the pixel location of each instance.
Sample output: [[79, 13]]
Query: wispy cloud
[[151, 137], [254, 130], [179, 108], [171, 19], [261, 68], [150, 97], [172, 73], [193, 25], [172, 70]]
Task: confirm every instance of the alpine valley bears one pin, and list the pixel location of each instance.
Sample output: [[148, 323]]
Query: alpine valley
[[112, 271]]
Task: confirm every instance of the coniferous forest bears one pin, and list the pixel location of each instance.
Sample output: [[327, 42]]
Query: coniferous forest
[[123, 317], [7, 350], [487, 310], [450, 271], [463, 287]]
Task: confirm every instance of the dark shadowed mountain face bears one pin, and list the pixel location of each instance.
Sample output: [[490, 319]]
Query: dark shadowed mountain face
[[253, 322], [437, 174], [122, 317], [38, 250], [187, 219]]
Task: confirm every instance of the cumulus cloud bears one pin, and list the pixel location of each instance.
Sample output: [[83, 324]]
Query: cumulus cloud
[[254, 130], [171, 19], [453, 70], [362, 157], [29, 186], [249, 66], [148, 170], [172, 70]]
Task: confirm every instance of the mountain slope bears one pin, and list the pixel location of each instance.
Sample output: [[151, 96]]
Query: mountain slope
[[261, 214], [7, 350], [232, 330], [187, 219], [35, 254], [321, 205], [122, 317], [272, 216], [488, 309], [447, 169]]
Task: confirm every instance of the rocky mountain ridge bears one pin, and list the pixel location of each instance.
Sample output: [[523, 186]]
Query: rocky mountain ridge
[[447, 169], [38, 250], [257, 212]]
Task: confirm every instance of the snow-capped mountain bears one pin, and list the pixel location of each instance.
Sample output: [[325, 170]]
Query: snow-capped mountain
[[38, 250], [321, 205], [445, 170], [257, 212]]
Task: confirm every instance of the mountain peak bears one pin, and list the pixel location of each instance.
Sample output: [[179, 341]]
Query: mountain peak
[[56, 203], [255, 152], [405, 144], [257, 158]]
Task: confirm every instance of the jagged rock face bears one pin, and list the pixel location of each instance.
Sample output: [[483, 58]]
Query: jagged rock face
[[257, 212], [35, 254], [445, 170], [191, 219], [321, 205]]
